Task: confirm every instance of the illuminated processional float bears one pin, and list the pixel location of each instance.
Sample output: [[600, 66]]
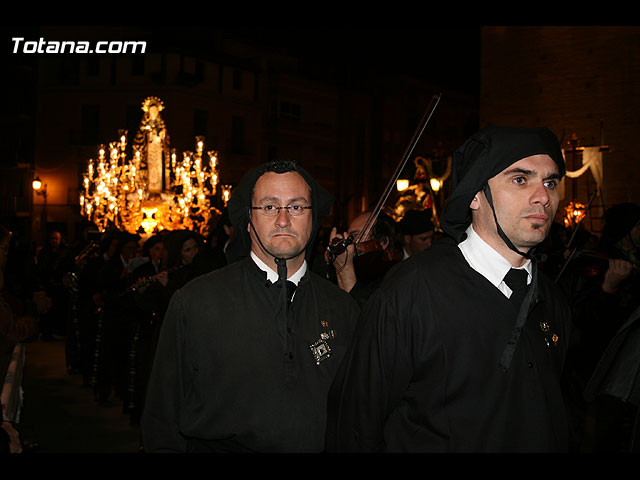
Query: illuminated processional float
[[149, 187], [421, 192]]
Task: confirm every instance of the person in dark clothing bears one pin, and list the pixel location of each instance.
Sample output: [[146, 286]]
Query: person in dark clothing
[[417, 231], [187, 257], [360, 275], [143, 315], [116, 322], [19, 315], [242, 364], [447, 357], [606, 306], [90, 288], [54, 261]]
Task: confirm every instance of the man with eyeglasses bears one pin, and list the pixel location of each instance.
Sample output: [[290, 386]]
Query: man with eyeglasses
[[242, 364]]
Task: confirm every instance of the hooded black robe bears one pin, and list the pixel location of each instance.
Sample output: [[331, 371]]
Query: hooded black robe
[[441, 360], [423, 374], [222, 378], [237, 368]]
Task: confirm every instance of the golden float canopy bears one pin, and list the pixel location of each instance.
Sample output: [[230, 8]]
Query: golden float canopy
[[147, 188]]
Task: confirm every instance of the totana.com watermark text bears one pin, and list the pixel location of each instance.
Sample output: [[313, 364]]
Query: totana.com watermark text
[[20, 45]]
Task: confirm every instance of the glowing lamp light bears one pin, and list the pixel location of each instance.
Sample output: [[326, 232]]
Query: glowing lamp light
[[402, 184], [435, 184], [226, 194], [149, 222], [37, 184], [574, 212]]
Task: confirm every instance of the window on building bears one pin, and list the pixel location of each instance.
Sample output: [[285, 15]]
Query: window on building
[[237, 79], [133, 117], [69, 71], [200, 118], [137, 65], [93, 66], [200, 68], [237, 134], [290, 110], [90, 125]]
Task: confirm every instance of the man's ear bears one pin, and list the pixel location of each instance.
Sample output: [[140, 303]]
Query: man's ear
[[475, 202]]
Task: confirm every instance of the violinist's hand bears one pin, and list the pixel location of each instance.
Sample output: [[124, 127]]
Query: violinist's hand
[[345, 256], [162, 277], [343, 263], [617, 272]]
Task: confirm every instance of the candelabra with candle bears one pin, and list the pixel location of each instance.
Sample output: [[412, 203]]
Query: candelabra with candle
[[143, 193]]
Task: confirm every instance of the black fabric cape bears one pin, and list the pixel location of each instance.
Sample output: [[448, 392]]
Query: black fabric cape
[[618, 371], [422, 374], [231, 375]]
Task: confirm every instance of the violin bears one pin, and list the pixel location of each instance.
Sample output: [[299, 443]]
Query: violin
[[591, 263], [339, 245]]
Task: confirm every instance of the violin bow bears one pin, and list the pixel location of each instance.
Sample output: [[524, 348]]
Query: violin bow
[[403, 161]]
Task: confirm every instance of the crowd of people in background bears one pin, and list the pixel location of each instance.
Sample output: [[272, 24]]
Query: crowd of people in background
[[105, 296]]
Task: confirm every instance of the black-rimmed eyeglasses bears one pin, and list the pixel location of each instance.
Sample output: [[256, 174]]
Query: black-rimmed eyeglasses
[[274, 210]]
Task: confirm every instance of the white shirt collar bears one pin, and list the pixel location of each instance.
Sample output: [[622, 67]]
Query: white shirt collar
[[487, 261], [272, 275]]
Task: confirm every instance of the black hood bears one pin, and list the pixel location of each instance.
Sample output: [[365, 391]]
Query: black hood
[[482, 157], [240, 204]]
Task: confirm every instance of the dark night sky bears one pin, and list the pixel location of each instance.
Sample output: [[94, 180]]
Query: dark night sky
[[446, 55], [440, 54]]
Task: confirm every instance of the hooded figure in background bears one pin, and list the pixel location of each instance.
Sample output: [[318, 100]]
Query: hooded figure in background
[[244, 363], [448, 357], [611, 337]]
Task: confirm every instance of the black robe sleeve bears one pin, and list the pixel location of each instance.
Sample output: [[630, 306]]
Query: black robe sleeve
[[372, 379]]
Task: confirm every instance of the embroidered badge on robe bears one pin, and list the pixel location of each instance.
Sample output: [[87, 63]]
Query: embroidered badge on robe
[[321, 349]]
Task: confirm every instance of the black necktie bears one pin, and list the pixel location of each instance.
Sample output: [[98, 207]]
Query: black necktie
[[291, 288], [516, 279]]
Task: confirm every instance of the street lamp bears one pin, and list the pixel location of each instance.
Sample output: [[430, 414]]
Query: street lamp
[[41, 189], [38, 188]]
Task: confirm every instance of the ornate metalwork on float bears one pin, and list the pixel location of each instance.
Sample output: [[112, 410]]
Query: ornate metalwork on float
[[150, 188], [420, 194]]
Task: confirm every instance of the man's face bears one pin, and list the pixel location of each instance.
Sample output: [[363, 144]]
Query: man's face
[[418, 243], [525, 199], [55, 239], [189, 251], [282, 235], [156, 252], [129, 250], [357, 226]]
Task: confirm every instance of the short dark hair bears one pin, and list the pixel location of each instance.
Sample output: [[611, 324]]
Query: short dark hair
[[279, 166]]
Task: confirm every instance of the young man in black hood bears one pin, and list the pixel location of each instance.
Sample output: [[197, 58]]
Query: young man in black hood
[[241, 366], [447, 356]]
